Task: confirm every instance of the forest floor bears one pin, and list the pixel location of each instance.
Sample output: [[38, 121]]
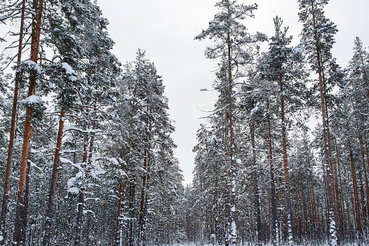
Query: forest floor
[[252, 244]]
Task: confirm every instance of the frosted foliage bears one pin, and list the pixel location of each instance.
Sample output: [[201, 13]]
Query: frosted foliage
[[68, 69], [33, 99]]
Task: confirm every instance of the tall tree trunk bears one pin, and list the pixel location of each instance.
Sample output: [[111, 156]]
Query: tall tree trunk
[[255, 186], [50, 208], [332, 231], [130, 230], [285, 165], [21, 212], [305, 230], [81, 197], [314, 214], [356, 194], [331, 167], [297, 214], [332, 214], [215, 229], [328, 211], [81, 205], [81, 200], [20, 223], [272, 181], [365, 201], [91, 147], [366, 167], [122, 192], [143, 196], [4, 209], [232, 185], [342, 217]]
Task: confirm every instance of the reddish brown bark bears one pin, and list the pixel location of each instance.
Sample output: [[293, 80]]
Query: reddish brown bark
[[50, 209], [20, 223], [365, 168], [12, 133], [326, 135], [366, 197]]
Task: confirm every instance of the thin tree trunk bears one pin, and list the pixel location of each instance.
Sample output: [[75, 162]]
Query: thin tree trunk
[[122, 191], [143, 200], [4, 209], [232, 203], [314, 214], [285, 166], [215, 229], [298, 216], [142, 203], [365, 201], [81, 201], [333, 179], [50, 208], [305, 230], [314, 221], [332, 213], [20, 223], [366, 166], [255, 186], [131, 207], [81, 205], [81, 197], [332, 231], [343, 219], [327, 208], [277, 200], [356, 194], [272, 182], [91, 147]]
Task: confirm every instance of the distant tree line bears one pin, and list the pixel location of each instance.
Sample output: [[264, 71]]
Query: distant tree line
[[262, 174]]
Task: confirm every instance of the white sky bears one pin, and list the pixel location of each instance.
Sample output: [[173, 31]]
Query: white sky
[[166, 30]]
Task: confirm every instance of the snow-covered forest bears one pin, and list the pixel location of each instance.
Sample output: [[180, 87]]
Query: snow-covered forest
[[86, 149]]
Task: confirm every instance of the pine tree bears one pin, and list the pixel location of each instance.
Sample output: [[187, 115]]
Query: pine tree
[[152, 171], [21, 216], [231, 40], [12, 132], [285, 67], [317, 38]]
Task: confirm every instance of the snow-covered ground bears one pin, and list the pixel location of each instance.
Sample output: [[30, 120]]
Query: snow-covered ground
[[252, 244]]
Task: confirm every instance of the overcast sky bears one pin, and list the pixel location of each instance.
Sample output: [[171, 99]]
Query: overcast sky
[[166, 30]]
